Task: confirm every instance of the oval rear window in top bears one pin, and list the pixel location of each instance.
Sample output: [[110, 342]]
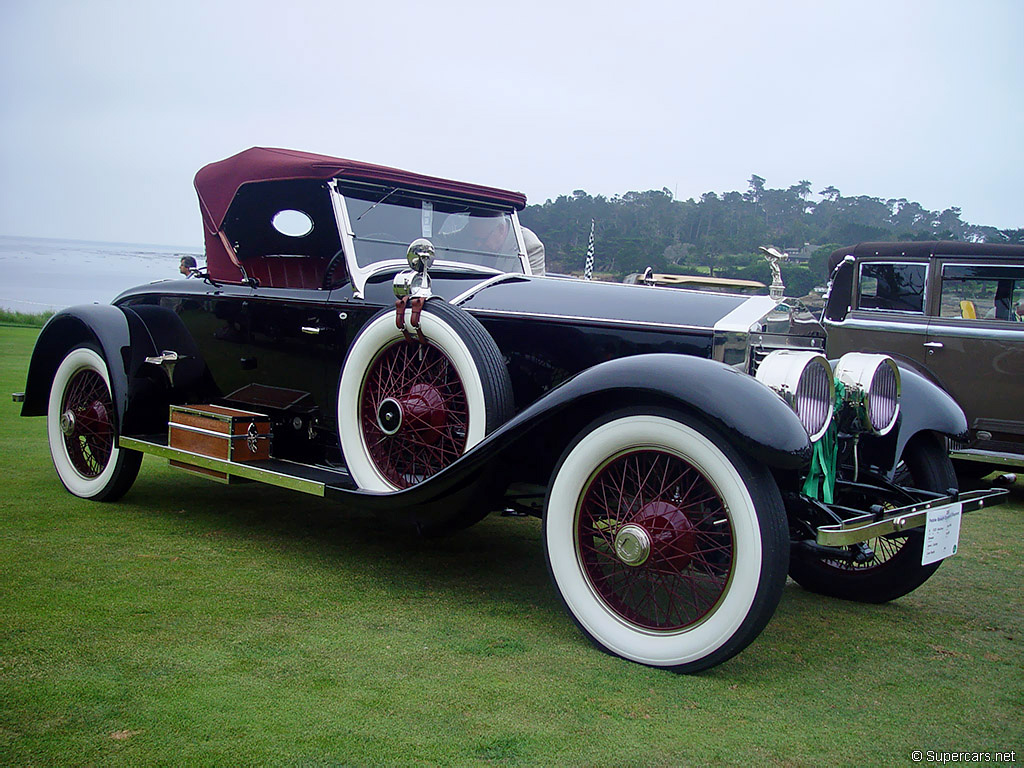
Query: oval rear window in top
[[292, 223]]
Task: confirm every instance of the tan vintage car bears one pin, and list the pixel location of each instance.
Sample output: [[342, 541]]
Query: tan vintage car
[[954, 312]]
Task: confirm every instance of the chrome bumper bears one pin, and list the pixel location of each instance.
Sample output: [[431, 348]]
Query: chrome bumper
[[871, 526]]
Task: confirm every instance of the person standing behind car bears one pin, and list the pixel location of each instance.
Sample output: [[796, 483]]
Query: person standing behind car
[[187, 265], [534, 251]]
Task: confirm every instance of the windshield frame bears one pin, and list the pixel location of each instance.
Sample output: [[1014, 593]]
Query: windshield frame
[[360, 274]]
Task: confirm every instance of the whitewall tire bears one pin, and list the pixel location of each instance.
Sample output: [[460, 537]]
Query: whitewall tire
[[81, 431], [406, 408], [666, 545]]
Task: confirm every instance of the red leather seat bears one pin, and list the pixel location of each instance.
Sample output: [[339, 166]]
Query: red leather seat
[[287, 271]]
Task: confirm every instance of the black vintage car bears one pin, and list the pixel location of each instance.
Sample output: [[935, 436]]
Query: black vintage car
[[377, 337]]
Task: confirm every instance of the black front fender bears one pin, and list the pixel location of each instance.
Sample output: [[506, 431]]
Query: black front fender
[[924, 407], [752, 417], [748, 413]]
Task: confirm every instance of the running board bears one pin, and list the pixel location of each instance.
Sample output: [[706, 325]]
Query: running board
[[284, 474], [995, 458]]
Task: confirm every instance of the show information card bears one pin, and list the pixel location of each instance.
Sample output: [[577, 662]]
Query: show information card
[[941, 533]]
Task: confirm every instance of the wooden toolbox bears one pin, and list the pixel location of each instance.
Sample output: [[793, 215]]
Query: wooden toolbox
[[219, 432]]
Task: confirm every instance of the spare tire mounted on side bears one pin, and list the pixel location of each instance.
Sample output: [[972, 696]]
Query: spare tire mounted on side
[[411, 404]]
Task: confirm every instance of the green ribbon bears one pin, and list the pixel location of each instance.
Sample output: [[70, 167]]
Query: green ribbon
[[821, 477]]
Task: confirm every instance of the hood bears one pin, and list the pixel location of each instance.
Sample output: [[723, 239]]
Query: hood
[[611, 303]]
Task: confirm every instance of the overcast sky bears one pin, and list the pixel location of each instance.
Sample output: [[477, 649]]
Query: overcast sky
[[109, 108]]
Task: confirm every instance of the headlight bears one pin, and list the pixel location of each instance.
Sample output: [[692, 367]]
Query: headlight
[[872, 390], [804, 380]]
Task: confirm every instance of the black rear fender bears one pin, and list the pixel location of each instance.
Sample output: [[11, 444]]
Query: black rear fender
[[104, 327], [124, 340]]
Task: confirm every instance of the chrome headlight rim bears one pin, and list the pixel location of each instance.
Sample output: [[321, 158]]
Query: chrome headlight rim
[[805, 381], [872, 390]]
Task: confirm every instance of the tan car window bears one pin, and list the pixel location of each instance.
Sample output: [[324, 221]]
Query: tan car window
[[896, 287], [973, 293]]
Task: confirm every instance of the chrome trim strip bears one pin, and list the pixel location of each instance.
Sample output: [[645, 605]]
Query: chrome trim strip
[[595, 320], [867, 527], [746, 314], [212, 433], [517, 228], [988, 457], [466, 295], [868, 324], [956, 327], [986, 329], [315, 297], [216, 416], [403, 264], [268, 476], [908, 313]]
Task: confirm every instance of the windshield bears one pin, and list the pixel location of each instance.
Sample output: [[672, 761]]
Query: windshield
[[385, 220]]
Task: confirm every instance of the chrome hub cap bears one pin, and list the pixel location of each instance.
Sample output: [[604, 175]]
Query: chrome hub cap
[[632, 545], [67, 423], [389, 416]]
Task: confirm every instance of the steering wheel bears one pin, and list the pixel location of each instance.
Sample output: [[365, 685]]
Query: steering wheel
[[328, 282]]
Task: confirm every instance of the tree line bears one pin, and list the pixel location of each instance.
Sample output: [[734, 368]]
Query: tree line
[[719, 234]]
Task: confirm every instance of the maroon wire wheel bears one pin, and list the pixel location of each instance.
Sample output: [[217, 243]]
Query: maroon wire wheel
[[85, 423], [655, 540], [410, 406], [81, 427], [414, 412], [667, 546], [884, 549]]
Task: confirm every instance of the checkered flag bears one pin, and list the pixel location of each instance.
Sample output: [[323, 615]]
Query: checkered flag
[[588, 269]]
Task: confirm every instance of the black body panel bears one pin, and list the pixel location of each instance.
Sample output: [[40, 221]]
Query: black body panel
[[717, 393], [249, 336], [612, 303]]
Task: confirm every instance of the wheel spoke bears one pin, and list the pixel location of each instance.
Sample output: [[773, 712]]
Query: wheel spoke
[[435, 412], [90, 443], [687, 568]]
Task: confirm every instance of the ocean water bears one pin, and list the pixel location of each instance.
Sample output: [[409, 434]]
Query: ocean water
[[39, 274]]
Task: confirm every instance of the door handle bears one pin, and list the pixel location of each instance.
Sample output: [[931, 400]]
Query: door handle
[[312, 330], [933, 344]]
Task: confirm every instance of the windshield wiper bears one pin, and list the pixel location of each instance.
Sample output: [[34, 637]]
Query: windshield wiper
[[386, 196]]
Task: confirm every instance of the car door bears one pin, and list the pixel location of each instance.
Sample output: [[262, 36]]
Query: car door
[[975, 347], [289, 335]]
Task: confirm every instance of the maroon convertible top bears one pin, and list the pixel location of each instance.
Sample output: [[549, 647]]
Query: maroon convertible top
[[218, 182]]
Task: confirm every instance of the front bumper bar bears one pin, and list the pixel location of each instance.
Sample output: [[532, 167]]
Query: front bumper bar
[[900, 519]]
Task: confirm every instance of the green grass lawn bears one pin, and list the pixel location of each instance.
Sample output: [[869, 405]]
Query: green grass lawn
[[198, 624]]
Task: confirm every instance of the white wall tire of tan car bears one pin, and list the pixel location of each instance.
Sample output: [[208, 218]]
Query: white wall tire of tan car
[[733, 615]]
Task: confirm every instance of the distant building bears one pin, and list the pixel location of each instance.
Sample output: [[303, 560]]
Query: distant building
[[801, 254]]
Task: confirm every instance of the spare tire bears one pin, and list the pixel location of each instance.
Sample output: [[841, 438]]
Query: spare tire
[[408, 406]]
